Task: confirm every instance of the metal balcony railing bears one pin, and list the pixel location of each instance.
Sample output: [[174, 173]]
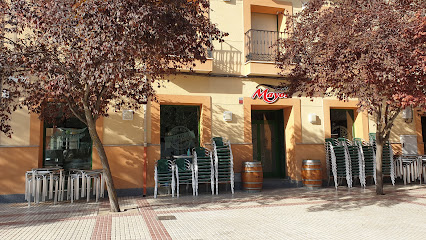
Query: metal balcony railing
[[260, 45]]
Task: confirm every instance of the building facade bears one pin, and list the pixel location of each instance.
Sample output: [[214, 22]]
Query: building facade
[[216, 100]]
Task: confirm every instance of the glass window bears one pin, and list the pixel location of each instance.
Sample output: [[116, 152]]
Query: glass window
[[179, 127], [67, 144]]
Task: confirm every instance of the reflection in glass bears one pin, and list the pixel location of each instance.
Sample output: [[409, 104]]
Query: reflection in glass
[[68, 145]]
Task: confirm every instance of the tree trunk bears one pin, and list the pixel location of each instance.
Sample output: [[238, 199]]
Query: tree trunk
[[379, 163], [91, 124]]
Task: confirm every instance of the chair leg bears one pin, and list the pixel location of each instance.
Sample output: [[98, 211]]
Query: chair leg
[[102, 184], [98, 186], [55, 198], [83, 186], [51, 186], [77, 188], [44, 189], [71, 189], [88, 181]]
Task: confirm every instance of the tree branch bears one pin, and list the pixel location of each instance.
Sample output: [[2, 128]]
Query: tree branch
[[75, 112]]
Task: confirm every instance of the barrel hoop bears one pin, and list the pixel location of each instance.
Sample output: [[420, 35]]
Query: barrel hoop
[[311, 168], [252, 182], [311, 161], [312, 180], [247, 188], [252, 164], [253, 171]]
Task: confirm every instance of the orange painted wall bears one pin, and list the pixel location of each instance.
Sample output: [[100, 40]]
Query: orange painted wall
[[241, 153], [14, 162], [126, 164], [304, 152]]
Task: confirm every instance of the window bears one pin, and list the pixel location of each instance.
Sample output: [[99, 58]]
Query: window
[[179, 129], [342, 123], [67, 144]]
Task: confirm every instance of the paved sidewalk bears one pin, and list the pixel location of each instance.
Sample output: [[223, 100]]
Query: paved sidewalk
[[272, 214]]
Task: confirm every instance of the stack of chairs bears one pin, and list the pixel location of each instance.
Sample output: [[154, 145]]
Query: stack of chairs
[[366, 153], [355, 160], [388, 166], [204, 167], [351, 160], [224, 163], [339, 162], [164, 174]]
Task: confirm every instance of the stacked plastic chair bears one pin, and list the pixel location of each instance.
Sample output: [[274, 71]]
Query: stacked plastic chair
[[164, 174], [185, 174], [368, 156], [204, 167], [224, 163], [340, 162], [388, 165], [356, 161]]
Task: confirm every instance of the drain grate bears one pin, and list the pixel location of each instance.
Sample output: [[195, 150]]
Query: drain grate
[[170, 217]]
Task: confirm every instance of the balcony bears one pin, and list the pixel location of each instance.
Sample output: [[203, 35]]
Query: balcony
[[261, 52], [260, 45]]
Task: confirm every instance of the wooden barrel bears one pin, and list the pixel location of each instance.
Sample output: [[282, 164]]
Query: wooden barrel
[[312, 173], [252, 176]]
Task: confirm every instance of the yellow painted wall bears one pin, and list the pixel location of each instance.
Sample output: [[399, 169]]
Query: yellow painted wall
[[119, 131], [400, 127], [312, 133], [228, 56], [20, 122]]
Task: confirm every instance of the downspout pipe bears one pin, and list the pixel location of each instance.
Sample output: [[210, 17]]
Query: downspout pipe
[[145, 148]]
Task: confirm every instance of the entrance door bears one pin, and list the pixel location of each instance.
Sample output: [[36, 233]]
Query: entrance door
[[268, 142]]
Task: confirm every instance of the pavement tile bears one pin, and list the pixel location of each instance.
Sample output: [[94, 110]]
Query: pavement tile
[[325, 213]]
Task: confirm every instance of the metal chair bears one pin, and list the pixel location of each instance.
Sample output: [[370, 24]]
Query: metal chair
[[164, 174], [204, 167], [224, 163], [185, 174]]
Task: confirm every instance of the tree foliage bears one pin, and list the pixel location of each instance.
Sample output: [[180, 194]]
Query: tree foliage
[[89, 55], [372, 50], [10, 65]]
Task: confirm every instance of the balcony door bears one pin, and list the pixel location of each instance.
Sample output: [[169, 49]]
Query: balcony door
[[262, 36]]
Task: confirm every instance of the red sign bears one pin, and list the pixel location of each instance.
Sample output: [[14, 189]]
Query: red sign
[[268, 96]]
